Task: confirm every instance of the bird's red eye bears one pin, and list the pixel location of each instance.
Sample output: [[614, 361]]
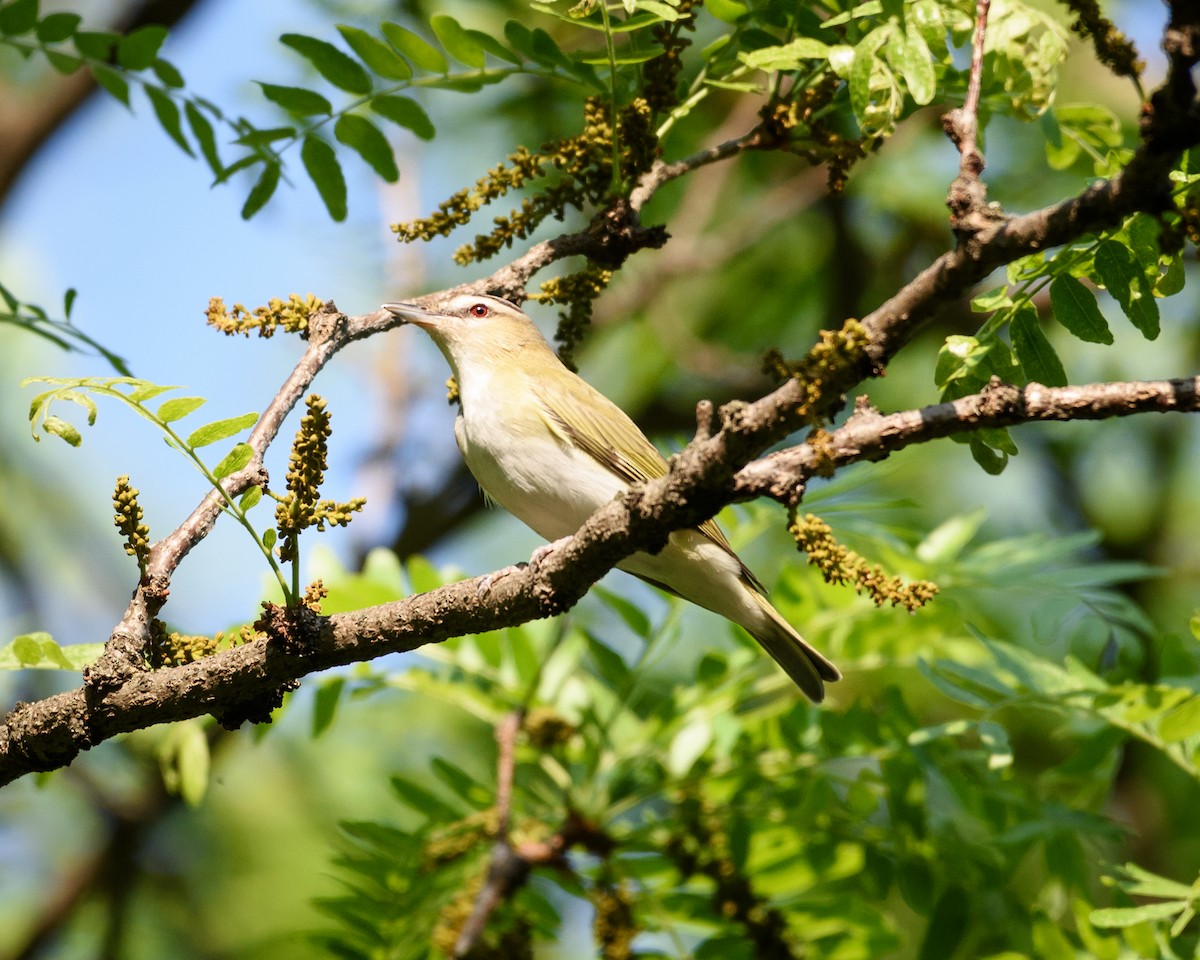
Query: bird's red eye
[[478, 310]]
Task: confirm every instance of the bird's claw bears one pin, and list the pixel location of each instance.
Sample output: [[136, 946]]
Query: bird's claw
[[486, 583], [542, 552]]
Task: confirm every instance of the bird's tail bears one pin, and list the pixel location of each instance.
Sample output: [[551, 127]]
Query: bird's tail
[[808, 669]]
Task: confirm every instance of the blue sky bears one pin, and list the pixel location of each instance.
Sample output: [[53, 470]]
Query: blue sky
[[115, 209]]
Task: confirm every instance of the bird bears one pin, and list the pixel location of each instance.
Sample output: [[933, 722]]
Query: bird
[[551, 449]]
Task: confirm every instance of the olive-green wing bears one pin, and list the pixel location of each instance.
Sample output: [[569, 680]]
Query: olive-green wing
[[589, 421]]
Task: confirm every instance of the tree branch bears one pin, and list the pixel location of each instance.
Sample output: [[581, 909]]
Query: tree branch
[[869, 435], [119, 695], [704, 477]]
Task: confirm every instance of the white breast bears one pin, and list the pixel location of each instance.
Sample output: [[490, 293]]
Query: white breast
[[550, 486]]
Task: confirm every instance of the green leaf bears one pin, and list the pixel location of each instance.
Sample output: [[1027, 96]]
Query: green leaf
[[622, 59], [205, 136], [1123, 278], [789, 56], [184, 761], [64, 63], [1075, 308], [112, 81], [610, 666], [60, 428], [1182, 722], [861, 69], [261, 192], [167, 73], [949, 921], [663, 10], [1033, 350], [260, 138], [323, 168], [1061, 151], [406, 112], [220, 430], [69, 301], [269, 537], [193, 762], [325, 703], [139, 49], [1128, 916], [18, 17], [419, 51], [168, 116], [689, 744], [546, 51], [992, 462], [457, 42], [493, 46], [234, 460], [297, 100], [250, 498], [94, 44], [178, 408], [916, 66], [362, 136], [424, 802], [634, 618], [28, 649], [381, 58], [727, 11], [57, 27], [338, 68], [1172, 280], [1146, 884], [40, 651], [464, 786], [148, 391]]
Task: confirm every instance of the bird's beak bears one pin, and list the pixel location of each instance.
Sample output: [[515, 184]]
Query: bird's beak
[[411, 313]]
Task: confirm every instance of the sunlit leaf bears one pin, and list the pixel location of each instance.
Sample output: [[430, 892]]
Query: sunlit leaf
[[323, 169], [338, 68]]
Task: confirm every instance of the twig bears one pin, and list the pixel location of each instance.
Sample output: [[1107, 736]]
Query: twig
[[967, 199], [662, 173], [507, 871], [869, 435]]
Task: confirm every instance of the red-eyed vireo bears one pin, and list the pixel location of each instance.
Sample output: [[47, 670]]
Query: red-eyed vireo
[[551, 449]]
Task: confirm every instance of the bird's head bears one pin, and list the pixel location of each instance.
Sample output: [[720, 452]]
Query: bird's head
[[472, 327]]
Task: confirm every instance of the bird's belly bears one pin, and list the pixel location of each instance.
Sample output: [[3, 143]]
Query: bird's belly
[[698, 570], [551, 488]]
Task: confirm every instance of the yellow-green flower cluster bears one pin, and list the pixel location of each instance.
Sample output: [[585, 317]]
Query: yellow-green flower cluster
[[576, 291], [840, 565], [834, 352], [128, 519], [702, 846], [170, 649], [614, 926], [301, 508], [1113, 48], [584, 166], [661, 75], [292, 316]]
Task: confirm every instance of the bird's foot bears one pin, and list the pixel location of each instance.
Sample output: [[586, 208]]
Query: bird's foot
[[486, 583], [538, 555], [542, 552]]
